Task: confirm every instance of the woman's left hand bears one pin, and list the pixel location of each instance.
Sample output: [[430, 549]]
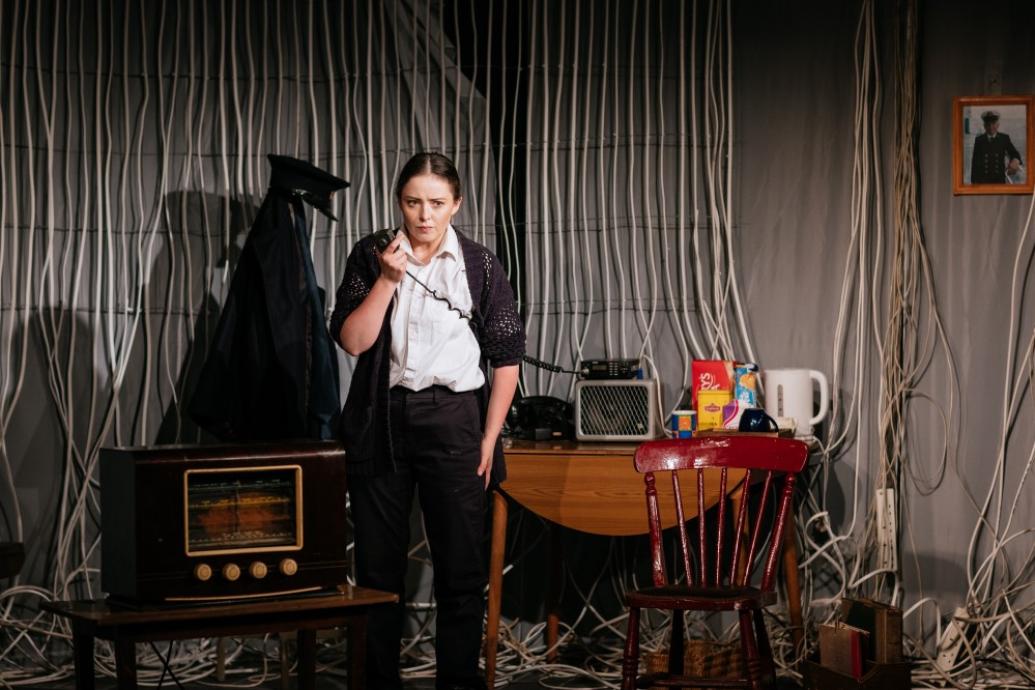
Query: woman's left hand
[[485, 467], [504, 383]]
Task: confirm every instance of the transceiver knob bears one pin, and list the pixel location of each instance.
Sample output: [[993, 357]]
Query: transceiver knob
[[257, 570], [203, 571], [288, 566], [231, 571]]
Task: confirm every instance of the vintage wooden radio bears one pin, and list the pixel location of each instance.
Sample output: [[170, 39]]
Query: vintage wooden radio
[[196, 523]]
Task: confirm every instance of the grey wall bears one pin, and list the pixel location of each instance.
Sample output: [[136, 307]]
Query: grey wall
[[796, 98]]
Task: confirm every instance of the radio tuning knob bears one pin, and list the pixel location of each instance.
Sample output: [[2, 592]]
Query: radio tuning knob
[[231, 571], [202, 571], [257, 570], [288, 566]]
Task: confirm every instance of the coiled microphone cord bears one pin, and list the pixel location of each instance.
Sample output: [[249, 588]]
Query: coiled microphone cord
[[471, 317]]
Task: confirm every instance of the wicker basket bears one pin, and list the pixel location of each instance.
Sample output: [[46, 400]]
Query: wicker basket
[[704, 658]]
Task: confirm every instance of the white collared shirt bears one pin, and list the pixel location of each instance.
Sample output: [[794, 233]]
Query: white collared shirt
[[431, 344]]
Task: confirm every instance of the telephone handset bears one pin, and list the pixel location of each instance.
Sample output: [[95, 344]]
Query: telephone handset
[[383, 238]]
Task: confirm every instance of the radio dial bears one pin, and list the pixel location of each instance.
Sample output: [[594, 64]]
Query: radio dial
[[288, 566], [257, 570], [203, 572], [231, 571]]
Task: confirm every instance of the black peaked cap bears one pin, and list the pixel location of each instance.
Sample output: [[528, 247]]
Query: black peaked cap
[[314, 185]]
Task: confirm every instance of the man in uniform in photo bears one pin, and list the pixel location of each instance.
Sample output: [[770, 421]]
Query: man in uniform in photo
[[995, 157]]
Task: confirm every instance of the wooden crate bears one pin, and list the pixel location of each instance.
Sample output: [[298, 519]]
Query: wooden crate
[[875, 677], [705, 658]]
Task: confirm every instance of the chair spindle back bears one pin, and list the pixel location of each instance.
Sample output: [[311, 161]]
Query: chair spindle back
[[754, 460]]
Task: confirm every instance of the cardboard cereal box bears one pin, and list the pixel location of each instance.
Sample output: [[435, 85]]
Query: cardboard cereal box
[[710, 375]]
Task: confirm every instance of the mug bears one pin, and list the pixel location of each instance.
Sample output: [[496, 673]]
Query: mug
[[788, 393], [756, 419], [683, 423]]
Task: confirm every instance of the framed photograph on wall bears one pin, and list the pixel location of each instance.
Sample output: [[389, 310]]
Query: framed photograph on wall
[[993, 145]]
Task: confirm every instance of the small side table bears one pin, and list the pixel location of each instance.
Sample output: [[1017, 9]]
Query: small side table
[[12, 556], [124, 627]]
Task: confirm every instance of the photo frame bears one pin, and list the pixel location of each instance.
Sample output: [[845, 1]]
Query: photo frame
[[993, 145]]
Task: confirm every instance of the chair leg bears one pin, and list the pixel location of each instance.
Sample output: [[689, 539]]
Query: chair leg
[[749, 647], [765, 651], [675, 647], [631, 660]]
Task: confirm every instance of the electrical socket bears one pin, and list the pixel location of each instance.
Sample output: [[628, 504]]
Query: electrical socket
[[887, 529], [952, 640]]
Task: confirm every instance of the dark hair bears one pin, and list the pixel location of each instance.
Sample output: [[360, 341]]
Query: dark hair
[[434, 163]]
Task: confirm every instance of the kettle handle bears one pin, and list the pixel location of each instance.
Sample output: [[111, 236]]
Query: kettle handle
[[824, 396]]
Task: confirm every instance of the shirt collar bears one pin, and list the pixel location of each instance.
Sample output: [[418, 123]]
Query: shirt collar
[[450, 245]]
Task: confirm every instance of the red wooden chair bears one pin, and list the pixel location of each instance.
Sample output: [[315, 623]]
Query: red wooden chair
[[725, 560]]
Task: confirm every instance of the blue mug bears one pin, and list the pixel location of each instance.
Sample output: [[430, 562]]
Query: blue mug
[[756, 419]]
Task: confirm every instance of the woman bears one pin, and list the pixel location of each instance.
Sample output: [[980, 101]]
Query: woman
[[422, 412]]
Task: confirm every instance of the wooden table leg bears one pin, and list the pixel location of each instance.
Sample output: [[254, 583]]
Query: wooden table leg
[[492, 623], [285, 662], [82, 647], [125, 663], [358, 652], [553, 591], [306, 659], [790, 574], [221, 659]]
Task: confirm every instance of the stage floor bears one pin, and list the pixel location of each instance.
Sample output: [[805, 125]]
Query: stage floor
[[528, 682]]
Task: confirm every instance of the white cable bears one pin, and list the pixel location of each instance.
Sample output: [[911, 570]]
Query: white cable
[[486, 143], [616, 247], [554, 231], [250, 159], [588, 256], [531, 304], [630, 197], [602, 135]]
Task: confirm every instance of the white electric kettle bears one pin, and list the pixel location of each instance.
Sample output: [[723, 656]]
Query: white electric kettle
[[789, 393]]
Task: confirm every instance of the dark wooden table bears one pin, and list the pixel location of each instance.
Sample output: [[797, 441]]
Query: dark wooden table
[[125, 626], [12, 556]]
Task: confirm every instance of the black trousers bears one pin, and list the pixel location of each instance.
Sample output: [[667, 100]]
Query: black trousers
[[437, 438]]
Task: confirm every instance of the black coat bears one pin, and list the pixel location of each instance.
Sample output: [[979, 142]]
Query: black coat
[[272, 372], [988, 164]]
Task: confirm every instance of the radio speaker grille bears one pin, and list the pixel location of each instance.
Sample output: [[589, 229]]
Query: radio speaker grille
[[615, 410]]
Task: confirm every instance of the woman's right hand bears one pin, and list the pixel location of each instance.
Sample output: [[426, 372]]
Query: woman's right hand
[[393, 261], [361, 327]]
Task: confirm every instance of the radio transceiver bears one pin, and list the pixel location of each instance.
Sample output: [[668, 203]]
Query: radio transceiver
[[609, 369]]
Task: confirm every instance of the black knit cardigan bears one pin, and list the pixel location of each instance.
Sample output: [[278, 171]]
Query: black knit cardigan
[[364, 425]]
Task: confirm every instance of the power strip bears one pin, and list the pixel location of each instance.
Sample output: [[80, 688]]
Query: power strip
[[951, 642], [887, 530]]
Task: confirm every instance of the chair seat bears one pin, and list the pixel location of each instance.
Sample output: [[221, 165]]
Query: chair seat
[[682, 597]]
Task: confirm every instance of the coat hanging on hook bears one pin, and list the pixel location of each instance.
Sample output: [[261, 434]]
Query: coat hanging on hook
[[271, 371]]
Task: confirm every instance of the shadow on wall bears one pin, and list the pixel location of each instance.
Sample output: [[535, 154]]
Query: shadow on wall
[[65, 407], [188, 215], [59, 413]]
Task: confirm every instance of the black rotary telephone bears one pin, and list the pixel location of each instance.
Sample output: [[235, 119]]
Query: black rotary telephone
[[540, 418]]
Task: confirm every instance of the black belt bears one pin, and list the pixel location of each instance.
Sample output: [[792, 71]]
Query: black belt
[[435, 392]]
